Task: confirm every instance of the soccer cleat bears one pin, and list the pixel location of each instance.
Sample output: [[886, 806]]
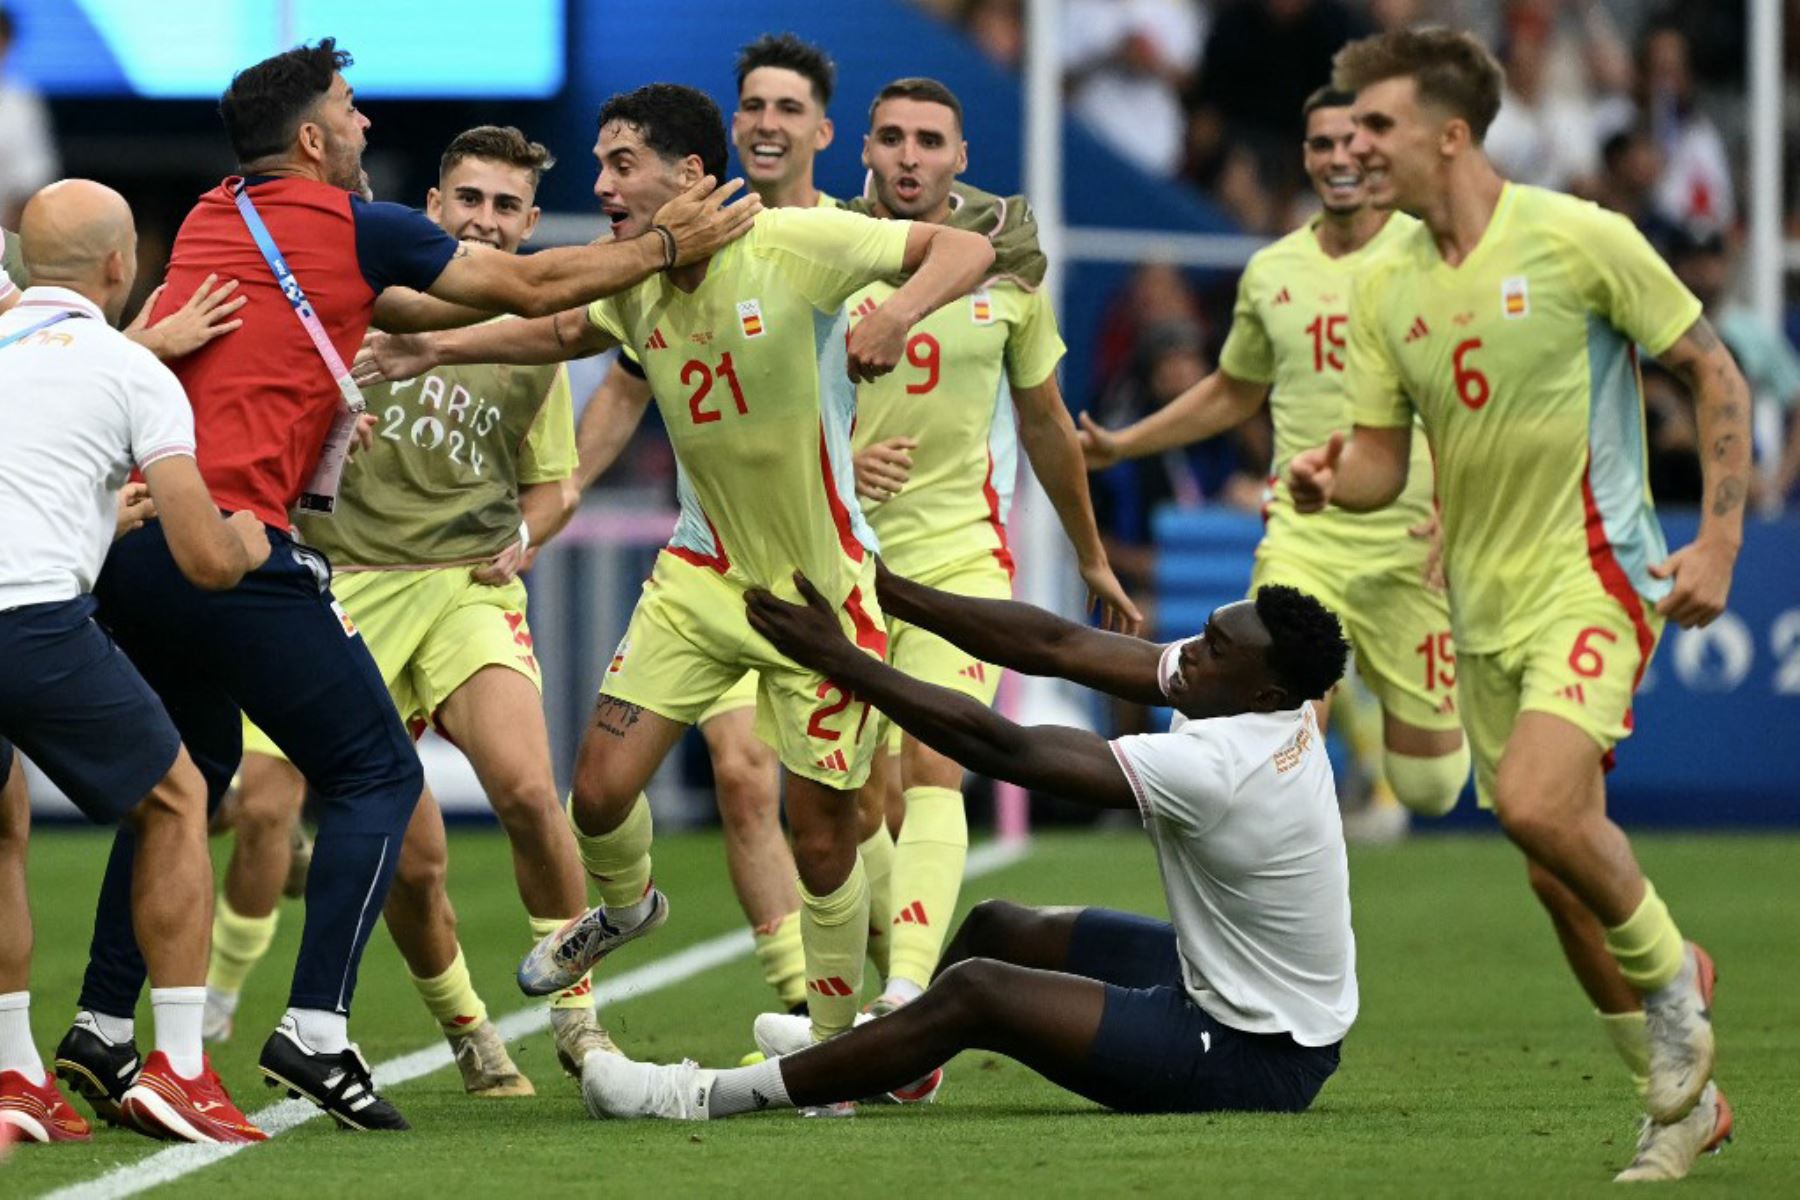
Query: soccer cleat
[[163, 1104], [561, 958], [577, 1032], [613, 1086], [38, 1112], [338, 1083], [96, 1069], [1667, 1152], [487, 1069], [836, 1110], [215, 1019], [920, 1091], [1679, 1024]]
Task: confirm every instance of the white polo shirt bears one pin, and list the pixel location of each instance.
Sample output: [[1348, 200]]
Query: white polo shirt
[[80, 404], [1243, 813]]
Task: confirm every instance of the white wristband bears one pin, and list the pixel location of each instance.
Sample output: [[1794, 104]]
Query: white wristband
[[524, 536]]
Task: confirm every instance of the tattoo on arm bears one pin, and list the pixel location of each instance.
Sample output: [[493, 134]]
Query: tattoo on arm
[[1731, 495], [1702, 335], [1722, 444], [616, 716]]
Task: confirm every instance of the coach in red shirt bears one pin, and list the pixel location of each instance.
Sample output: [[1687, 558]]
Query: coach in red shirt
[[274, 411]]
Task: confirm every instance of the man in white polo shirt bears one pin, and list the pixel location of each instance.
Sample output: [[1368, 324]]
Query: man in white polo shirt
[[81, 407], [1239, 1004]]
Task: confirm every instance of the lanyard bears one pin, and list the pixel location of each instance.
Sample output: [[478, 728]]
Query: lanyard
[[46, 323], [321, 490]]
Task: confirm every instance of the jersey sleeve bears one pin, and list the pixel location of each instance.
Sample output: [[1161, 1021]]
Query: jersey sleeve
[[830, 253], [549, 451], [160, 419], [1626, 280], [397, 246], [629, 364], [604, 315], [1033, 344], [1370, 372], [1181, 778], [1248, 355]]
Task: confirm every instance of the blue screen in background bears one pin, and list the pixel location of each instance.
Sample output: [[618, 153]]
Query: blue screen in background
[[189, 49]]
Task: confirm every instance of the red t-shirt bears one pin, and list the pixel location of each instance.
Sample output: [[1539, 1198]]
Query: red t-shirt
[[263, 398]]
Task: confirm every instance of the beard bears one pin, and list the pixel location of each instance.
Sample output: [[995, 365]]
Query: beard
[[344, 167]]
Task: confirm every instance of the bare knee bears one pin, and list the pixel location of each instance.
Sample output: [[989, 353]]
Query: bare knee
[[423, 870], [270, 793], [746, 786], [991, 925], [967, 988], [178, 796]]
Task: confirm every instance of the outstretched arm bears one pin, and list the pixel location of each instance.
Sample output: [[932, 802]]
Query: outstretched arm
[[1364, 473], [1215, 404], [1070, 762], [943, 263], [559, 338], [1025, 638]]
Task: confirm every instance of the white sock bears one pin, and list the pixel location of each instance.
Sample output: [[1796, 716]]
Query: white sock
[[17, 1051], [178, 1011], [903, 990], [226, 1002], [747, 1089], [630, 916], [323, 1032], [117, 1030]]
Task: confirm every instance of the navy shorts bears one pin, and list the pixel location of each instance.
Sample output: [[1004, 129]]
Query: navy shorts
[[1158, 1051], [73, 704]]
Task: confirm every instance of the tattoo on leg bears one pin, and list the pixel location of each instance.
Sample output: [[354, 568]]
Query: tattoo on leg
[[1731, 494], [615, 716]]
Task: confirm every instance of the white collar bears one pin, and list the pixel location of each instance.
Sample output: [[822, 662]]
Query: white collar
[[56, 297]]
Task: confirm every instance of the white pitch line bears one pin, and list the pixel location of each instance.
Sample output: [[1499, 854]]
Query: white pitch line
[[166, 1166]]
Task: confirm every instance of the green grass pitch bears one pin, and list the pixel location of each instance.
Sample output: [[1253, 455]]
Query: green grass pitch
[[1474, 1070]]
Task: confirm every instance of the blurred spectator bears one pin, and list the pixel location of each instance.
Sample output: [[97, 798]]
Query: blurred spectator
[[1126, 65], [1764, 354], [1695, 188], [1631, 163], [1156, 294], [1263, 59], [27, 155], [997, 27], [1541, 137]]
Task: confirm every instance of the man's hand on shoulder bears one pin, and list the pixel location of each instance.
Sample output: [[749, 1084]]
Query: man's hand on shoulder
[[701, 221], [808, 633]]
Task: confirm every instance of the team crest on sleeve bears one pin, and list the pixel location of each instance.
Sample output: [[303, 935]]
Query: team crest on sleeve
[[981, 306], [1515, 298], [618, 658], [750, 317]]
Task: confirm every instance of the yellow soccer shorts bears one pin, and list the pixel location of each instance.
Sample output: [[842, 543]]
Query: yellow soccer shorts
[[689, 642], [739, 695], [926, 656], [1582, 664], [1399, 628], [429, 632]]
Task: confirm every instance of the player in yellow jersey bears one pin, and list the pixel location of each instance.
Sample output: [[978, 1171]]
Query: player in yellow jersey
[[467, 471], [780, 126], [751, 361], [1287, 348], [937, 447], [1508, 323]]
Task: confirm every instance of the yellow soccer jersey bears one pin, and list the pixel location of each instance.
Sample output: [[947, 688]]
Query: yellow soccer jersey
[[953, 394], [1522, 364], [1289, 330], [749, 374]]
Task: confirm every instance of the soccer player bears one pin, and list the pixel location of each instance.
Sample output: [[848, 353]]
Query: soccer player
[[1287, 349], [1239, 1002], [82, 407], [752, 366], [937, 448], [274, 412], [779, 128], [443, 612], [1508, 322]]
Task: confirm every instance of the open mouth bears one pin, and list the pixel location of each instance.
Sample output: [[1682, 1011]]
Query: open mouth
[[617, 216], [767, 155], [1343, 187], [479, 240], [908, 189]]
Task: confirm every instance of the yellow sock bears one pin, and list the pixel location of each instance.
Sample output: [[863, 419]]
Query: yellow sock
[[581, 994], [618, 861], [238, 944], [834, 933], [878, 863], [451, 997], [783, 959], [928, 872], [1647, 946], [1631, 1041]]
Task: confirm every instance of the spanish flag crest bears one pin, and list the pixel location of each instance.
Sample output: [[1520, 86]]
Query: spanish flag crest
[[1515, 299], [750, 317], [981, 307]]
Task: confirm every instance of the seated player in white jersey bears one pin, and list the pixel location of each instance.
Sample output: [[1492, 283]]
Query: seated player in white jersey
[[1239, 1004]]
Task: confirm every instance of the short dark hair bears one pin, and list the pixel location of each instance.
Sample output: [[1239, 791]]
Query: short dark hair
[[1450, 66], [1325, 97], [266, 103], [788, 52], [498, 143], [675, 121], [1307, 651], [917, 87]]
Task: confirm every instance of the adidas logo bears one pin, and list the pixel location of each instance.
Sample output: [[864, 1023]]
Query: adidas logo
[[831, 985], [834, 761], [1282, 297], [1419, 329], [1575, 693], [864, 309], [656, 341], [975, 671], [912, 914], [758, 1099]]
